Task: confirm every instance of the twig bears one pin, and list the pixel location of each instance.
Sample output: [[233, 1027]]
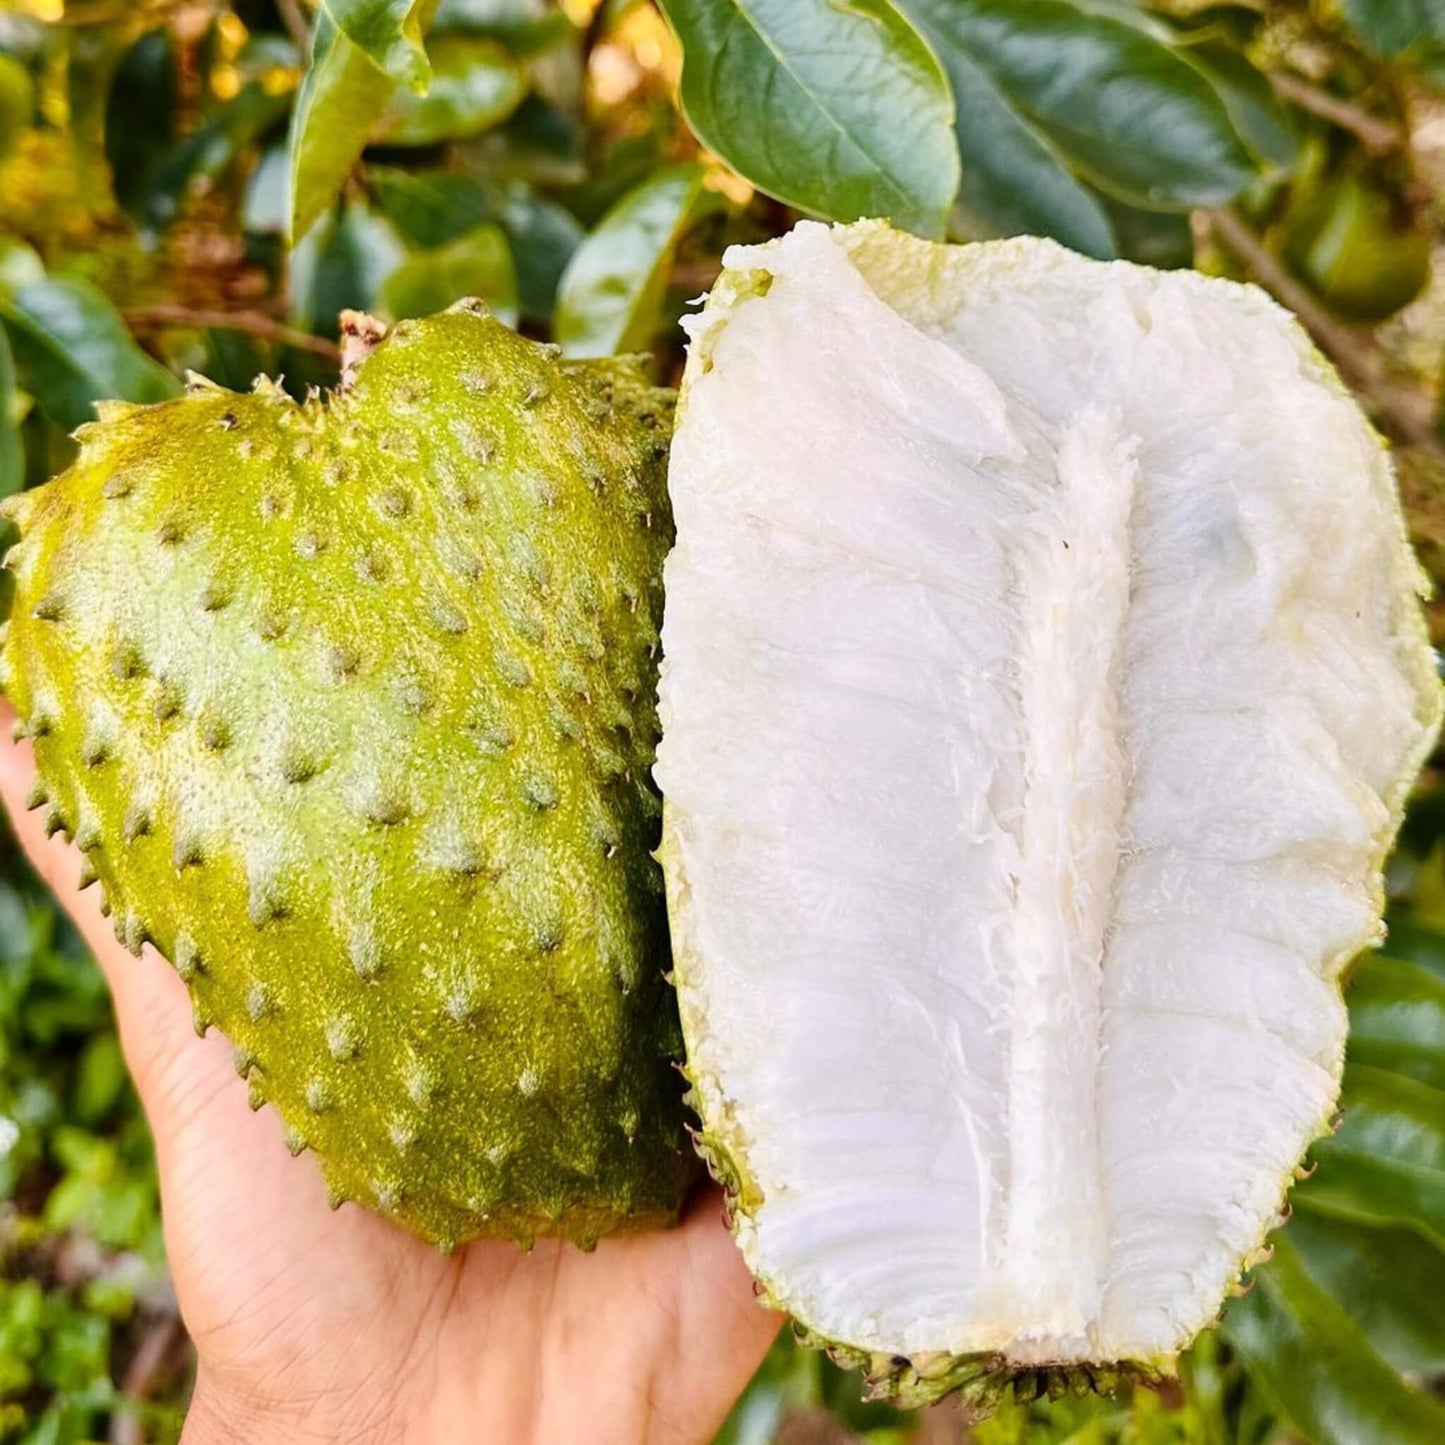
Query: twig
[[295, 22], [253, 322], [1373, 133], [1406, 412]]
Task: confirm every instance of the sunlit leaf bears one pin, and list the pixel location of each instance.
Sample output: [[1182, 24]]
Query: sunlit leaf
[[389, 32], [1386, 1163], [477, 263], [429, 209], [1397, 1019], [73, 349], [611, 293], [839, 109], [476, 84], [1318, 1365], [342, 98]]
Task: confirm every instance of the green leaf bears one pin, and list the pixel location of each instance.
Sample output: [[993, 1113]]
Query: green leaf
[[341, 265], [342, 98], [12, 447], [73, 350], [140, 115], [210, 150], [1116, 103], [1389, 1280], [611, 295], [476, 84], [1386, 1164], [477, 263], [1014, 182], [527, 27], [429, 209], [1397, 27], [1397, 1018], [837, 107], [1156, 238], [389, 33], [1318, 1366], [1415, 940], [1253, 104]]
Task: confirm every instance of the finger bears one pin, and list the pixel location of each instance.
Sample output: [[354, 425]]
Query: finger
[[152, 1008]]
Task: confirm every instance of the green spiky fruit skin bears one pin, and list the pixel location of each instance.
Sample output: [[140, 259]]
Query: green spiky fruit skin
[[350, 707]]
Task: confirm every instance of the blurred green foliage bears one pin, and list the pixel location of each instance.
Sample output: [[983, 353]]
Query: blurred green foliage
[[206, 183]]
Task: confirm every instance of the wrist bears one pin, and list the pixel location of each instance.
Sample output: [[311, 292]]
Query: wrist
[[222, 1415]]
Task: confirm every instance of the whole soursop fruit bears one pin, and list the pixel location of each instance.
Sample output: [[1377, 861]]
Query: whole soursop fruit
[[350, 705], [1044, 677]]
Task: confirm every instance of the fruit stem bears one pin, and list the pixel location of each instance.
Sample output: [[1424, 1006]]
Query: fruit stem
[[360, 336]]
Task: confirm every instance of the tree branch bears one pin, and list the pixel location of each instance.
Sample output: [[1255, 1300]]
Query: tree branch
[[1373, 133], [1406, 412], [294, 19], [255, 323]]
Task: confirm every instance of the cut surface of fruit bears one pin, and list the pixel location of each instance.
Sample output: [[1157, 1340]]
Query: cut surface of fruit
[[1044, 676]]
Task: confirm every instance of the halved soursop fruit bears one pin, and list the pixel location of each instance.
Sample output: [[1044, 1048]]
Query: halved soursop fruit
[[350, 705], [1044, 676]]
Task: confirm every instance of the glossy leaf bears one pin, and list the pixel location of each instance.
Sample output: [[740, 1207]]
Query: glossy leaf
[[1119, 105], [1252, 102], [430, 209], [342, 98], [526, 27], [839, 109], [1318, 1366], [1411, 938], [476, 84], [1397, 1019], [389, 33], [140, 116], [12, 448], [611, 294], [1386, 1163], [1013, 180], [73, 349], [477, 263], [1389, 1280], [1395, 27]]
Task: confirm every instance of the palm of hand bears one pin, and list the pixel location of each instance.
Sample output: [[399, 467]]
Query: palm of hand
[[317, 1325]]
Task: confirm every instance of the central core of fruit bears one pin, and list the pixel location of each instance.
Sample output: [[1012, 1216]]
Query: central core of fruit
[[1042, 668], [1071, 575]]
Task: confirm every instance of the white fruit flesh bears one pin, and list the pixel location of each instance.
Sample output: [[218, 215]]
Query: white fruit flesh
[[1044, 675]]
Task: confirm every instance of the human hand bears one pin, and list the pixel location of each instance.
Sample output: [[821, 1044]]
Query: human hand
[[311, 1325]]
